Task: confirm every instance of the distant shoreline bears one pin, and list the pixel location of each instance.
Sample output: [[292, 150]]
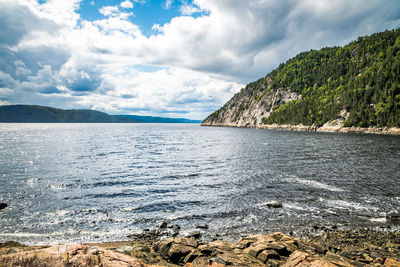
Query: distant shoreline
[[323, 129]]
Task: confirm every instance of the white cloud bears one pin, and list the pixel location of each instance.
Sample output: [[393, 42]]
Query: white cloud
[[110, 11], [50, 55], [127, 4], [189, 9], [167, 4]]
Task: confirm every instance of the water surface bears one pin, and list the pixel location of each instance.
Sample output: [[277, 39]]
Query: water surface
[[102, 182]]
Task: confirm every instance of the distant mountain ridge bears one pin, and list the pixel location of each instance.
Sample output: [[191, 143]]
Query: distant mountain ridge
[[355, 86], [34, 113]]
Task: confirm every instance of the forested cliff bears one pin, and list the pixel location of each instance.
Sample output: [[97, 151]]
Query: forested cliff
[[357, 85]]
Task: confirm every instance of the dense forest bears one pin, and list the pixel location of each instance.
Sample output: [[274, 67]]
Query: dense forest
[[362, 78]]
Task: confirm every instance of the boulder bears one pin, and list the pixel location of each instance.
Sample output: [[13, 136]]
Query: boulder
[[255, 250], [393, 218], [391, 263], [272, 204], [268, 254], [3, 206], [194, 234], [163, 246], [202, 226], [163, 225], [178, 252]]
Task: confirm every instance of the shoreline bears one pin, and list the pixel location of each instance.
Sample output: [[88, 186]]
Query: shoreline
[[329, 247], [323, 129]]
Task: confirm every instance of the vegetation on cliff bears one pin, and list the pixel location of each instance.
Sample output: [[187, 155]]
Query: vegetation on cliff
[[358, 83]]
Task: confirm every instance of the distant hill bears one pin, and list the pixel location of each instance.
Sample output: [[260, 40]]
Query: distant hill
[[33, 113], [357, 85], [150, 119]]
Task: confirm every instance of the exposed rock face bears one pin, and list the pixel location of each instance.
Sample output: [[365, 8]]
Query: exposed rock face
[[256, 102], [341, 248], [251, 105]]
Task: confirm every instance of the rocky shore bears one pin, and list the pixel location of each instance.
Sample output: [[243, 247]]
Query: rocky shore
[[325, 128], [328, 248]]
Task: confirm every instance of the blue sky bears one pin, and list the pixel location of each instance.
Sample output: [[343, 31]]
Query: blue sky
[[145, 13], [170, 58]]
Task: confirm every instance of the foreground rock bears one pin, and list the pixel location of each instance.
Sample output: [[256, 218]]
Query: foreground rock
[[334, 248], [67, 255]]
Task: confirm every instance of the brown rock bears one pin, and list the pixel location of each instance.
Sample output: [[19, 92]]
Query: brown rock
[[296, 258], [229, 258], [178, 252], [221, 244], [163, 246], [322, 263], [268, 254], [391, 263], [255, 249], [216, 247], [278, 236], [244, 243], [186, 241], [69, 255], [300, 258], [191, 256]]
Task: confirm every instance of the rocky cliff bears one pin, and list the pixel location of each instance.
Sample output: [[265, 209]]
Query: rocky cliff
[[252, 105], [350, 88]]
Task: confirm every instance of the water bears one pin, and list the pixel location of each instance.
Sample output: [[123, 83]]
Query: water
[[102, 182]]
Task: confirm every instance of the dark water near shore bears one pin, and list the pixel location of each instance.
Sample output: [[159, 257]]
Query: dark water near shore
[[102, 182]]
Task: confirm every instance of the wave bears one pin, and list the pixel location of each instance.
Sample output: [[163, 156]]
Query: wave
[[344, 204], [316, 184]]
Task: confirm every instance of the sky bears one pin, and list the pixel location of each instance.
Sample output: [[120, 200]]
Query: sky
[[170, 58]]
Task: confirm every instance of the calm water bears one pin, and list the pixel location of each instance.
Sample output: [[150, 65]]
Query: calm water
[[102, 182]]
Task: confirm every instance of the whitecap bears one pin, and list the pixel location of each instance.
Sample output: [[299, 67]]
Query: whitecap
[[315, 184], [338, 203], [129, 209], [378, 219], [295, 206]]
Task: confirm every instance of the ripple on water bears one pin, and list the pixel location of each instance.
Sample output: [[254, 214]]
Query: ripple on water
[[97, 182]]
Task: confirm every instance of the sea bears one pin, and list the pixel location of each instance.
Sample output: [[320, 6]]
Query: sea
[[76, 183]]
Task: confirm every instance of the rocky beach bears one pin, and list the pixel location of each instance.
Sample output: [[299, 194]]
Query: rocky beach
[[164, 246]]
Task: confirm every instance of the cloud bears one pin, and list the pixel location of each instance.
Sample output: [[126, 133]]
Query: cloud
[[167, 4], [126, 4], [189, 9], [245, 40], [194, 63], [112, 11]]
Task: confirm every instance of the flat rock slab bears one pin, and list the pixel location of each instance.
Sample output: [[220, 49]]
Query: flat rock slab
[[278, 249], [69, 255]]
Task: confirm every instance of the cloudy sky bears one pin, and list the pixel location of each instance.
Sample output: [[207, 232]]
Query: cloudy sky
[[171, 58]]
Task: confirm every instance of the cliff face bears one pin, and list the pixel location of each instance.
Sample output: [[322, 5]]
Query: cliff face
[[350, 88], [252, 105]]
